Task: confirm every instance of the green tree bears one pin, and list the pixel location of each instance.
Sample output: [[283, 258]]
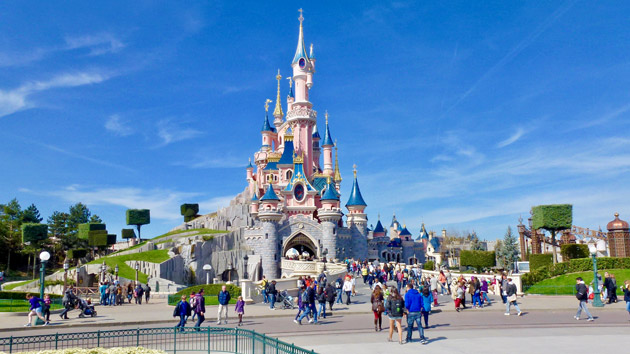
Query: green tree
[[58, 228], [10, 217], [475, 243], [508, 252], [79, 214], [95, 219], [553, 218], [31, 215]]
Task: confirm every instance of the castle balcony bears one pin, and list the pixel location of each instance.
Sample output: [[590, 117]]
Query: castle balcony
[[301, 113]]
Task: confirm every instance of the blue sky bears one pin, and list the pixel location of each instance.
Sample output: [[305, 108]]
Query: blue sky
[[461, 115]]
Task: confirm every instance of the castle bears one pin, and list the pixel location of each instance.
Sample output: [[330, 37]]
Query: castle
[[295, 200]]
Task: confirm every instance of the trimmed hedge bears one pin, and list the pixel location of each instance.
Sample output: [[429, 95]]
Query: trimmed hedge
[[128, 233], [138, 216], [86, 229], [573, 266], [34, 232], [573, 251], [97, 238], [553, 217], [77, 253], [477, 259], [211, 290], [430, 265], [111, 239], [21, 295], [540, 260], [189, 209]]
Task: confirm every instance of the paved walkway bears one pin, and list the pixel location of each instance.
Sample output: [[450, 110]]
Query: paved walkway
[[158, 313]]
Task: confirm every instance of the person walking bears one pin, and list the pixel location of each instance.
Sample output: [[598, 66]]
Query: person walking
[[302, 302], [484, 292], [581, 293], [347, 288], [434, 287], [395, 310], [511, 298], [138, 292], [330, 296], [626, 294], [46, 307], [504, 284], [414, 303], [339, 290], [224, 300], [378, 307], [182, 309], [476, 292], [321, 300], [200, 308], [147, 293], [239, 308], [427, 299], [68, 301], [35, 309], [271, 294], [264, 284], [310, 305], [102, 289]]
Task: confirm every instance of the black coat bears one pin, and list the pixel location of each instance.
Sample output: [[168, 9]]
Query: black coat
[[581, 292]]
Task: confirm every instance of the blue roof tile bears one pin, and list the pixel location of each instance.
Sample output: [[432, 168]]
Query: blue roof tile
[[270, 194]]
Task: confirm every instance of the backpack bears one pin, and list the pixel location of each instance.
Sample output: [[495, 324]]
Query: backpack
[[304, 296], [193, 302]]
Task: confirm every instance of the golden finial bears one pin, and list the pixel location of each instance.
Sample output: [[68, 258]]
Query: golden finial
[[301, 18], [326, 115], [328, 179], [299, 159], [290, 82], [354, 169], [267, 102], [337, 173], [277, 112]]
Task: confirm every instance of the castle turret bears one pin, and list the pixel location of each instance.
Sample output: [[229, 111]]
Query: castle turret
[[329, 215], [268, 132], [357, 219], [269, 214], [250, 176], [253, 206], [316, 149], [327, 145], [277, 112]]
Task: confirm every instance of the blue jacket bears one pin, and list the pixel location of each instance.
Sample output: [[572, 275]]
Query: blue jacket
[[413, 300], [426, 302], [224, 297]]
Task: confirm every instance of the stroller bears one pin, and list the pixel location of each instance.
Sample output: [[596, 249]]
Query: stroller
[[86, 307], [286, 300]]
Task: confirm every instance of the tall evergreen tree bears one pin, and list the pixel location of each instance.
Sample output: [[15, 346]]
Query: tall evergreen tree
[[58, 228], [509, 249], [79, 214], [95, 219], [31, 214], [10, 217]]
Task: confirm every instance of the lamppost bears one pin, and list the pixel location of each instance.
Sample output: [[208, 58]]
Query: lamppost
[[245, 260], [44, 257], [103, 269], [137, 269], [208, 269], [230, 269], [597, 300], [116, 270], [66, 266]]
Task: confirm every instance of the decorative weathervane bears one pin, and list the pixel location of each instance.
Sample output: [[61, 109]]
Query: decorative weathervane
[[301, 18], [290, 82], [267, 102], [278, 77], [326, 115], [354, 168]]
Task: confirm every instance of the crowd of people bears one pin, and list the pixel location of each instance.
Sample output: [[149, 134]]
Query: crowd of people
[[114, 293], [195, 307]]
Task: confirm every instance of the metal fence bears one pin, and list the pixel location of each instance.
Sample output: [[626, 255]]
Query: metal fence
[[169, 339]]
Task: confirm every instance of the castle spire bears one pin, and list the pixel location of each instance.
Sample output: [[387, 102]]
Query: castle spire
[[327, 137], [277, 112], [337, 173], [266, 126], [300, 52], [356, 199]]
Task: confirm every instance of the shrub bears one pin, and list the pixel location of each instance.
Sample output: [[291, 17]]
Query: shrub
[[430, 265], [34, 232], [111, 239], [77, 253], [21, 295], [189, 211], [573, 251], [97, 238], [208, 237], [552, 217], [477, 259], [85, 230], [540, 260], [128, 233], [211, 290], [138, 216], [573, 266]]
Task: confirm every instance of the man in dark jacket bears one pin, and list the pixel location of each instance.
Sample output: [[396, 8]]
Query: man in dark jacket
[[330, 295], [581, 293], [138, 292], [310, 305], [200, 308], [224, 300], [182, 309], [272, 293], [69, 301], [413, 304]]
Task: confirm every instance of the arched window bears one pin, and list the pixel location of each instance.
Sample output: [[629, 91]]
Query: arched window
[[289, 174]]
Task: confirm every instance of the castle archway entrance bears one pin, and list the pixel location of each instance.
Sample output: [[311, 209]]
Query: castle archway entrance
[[301, 243]]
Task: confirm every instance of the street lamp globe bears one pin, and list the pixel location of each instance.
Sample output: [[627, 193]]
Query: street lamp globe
[[66, 265], [44, 256], [592, 249]]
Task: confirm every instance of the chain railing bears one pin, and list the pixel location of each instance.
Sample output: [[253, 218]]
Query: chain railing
[[169, 339]]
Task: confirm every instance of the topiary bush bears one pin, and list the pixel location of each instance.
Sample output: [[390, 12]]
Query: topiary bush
[[573, 266], [540, 260], [573, 251], [111, 239], [138, 216], [189, 211], [477, 259], [85, 230], [430, 265], [97, 238], [34, 232], [552, 217], [128, 233]]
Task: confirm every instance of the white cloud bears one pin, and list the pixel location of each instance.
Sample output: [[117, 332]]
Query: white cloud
[[117, 126], [15, 100], [98, 44], [512, 139], [170, 132], [163, 203]]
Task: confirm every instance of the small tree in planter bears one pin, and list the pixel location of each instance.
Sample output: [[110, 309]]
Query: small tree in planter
[[189, 211], [127, 234], [553, 218], [138, 217]]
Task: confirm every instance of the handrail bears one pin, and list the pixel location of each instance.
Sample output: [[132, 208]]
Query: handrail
[[169, 339]]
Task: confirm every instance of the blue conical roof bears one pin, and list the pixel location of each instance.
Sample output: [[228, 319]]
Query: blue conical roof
[[423, 233], [255, 197], [300, 51], [270, 194], [379, 228], [266, 126], [355, 195], [287, 154], [316, 133], [404, 232], [327, 137], [330, 193]]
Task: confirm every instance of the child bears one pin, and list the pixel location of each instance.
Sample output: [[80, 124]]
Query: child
[[626, 294], [46, 307], [240, 309], [35, 309]]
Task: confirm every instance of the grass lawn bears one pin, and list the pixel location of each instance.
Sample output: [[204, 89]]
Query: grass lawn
[[125, 271], [210, 300], [7, 305], [199, 232], [15, 285], [565, 284]]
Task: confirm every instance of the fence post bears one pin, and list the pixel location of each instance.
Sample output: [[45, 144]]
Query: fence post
[[11, 344], [264, 338], [208, 329], [292, 348], [98, 338], [277, 345], [236, 340], [253, 341], [175, 340], [56, 340], [138, 337]]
